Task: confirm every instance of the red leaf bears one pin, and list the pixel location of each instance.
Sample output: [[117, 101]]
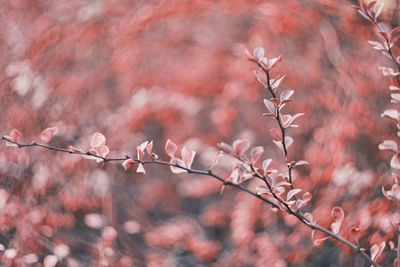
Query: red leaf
[[170, 148], [187, 156], [73, 149], [128, 163], [48, 134]]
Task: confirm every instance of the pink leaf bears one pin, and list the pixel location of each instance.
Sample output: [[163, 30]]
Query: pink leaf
[[97, 140], [307, 196], [170, 148], [258, 53], [216, 159], [226, 147], [377, 45], [286, 94], [234, 176], [149, 147], [376, 251], [364, 15], [338, 216], [272, 62], [300, 162], [128, 163], [261, 78], [14, 136], [240, 146], [388, 71], [378, 9], [276, 133], [187, 156], [48, 134], [355, 233], [256, 153], [319, 241], [389, 145], [270, 106], [276, 82], [140, 169], [292, 193], [395, 162], [391, 114], [143, 145], [139, 153], [179, 162], [288, 141]]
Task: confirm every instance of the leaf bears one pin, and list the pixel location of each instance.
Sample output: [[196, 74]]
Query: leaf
[[300, 162], [273, 62], [143, 145], [261, 78], [266, 164], [179, 162], [97, 140], [140, 169], [149, 147], [170, 148], [286, 94], [391, 114], [319, 241], [234, 176], [240, 146], [276, 82], [292, 193], [389, 145], [376, 251], [270, 106], [256, 153], [338, 216], [395, 98], [128, 163], [73, 149], [378, 9], [288, 141], [226, 147], [258, 53], [377, 45], [276, 133], [187, 156], [364, 14], [217, 156], [355, 233], [386, 71], [13, 136], [395, 162]]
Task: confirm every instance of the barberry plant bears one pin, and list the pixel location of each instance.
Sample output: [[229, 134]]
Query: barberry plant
[[248, 170]]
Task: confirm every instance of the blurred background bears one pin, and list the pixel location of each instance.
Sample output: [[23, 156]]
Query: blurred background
[[158, 70]]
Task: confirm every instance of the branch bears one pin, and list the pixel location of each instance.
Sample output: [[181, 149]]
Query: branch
[[297, 214]]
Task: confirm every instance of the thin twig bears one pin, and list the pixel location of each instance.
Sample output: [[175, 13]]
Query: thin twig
[[297, 214]]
